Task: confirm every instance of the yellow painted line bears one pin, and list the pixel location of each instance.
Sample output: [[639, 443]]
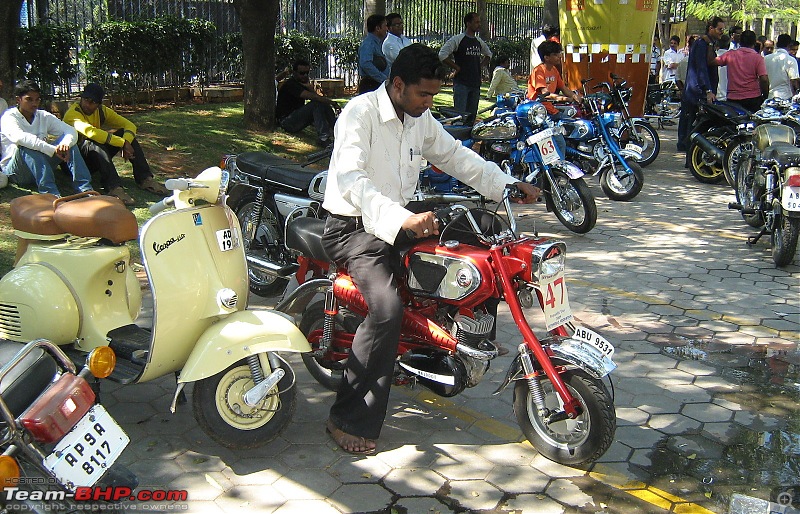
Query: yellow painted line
[[695, 313], [644, 492]]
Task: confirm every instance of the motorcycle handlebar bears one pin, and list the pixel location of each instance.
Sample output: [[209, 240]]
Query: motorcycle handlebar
[[162, 205], [181, 184]]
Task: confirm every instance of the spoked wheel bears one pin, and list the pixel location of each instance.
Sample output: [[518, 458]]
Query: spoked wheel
[[784, 239], [572, 202], [746, 193], [329, 373], [221, 411], [264, 241], [620, 185], [703, 166], [571, 442], [645, 138], [738, 149]]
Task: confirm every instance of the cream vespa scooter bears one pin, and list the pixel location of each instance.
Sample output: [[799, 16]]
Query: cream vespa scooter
[[73, 284]]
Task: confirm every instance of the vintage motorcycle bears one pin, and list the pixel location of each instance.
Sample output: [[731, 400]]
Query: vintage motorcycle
[[715, 127], [663, 103], [592, 146], [768, 189], [74, 284], [54, 436], [560, 399]]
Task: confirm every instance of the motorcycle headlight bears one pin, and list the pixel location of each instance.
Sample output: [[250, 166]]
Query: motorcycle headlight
[[548, 259], [537, 115]]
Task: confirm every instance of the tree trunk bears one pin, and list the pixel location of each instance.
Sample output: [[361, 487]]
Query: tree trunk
[[9, 23], [550, 14], [480, 8], [373, 7], [259, 19]]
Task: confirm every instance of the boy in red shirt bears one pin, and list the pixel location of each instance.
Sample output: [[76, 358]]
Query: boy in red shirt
[[545, 78]]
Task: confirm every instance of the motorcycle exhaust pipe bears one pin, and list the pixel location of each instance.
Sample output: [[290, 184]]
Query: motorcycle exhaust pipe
[[271, 268], [707, 146]]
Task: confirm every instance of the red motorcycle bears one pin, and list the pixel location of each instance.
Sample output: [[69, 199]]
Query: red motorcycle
[[561, 401]]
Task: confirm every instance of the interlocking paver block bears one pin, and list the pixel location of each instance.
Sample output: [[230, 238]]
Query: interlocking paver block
[[758, 422], [518, 479], [425, 504], [538, 503], [414, 481], [361, 498], [566, 492], [306, 484], [475, 494], [707, 413], [638, 437], [673, 423], [352, 468], [303, 507], [724, 433], [631, 416]]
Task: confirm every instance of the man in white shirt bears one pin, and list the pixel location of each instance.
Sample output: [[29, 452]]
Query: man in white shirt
[[395, 40], [549, 33], [29, 158], [380, 140], [782, 69], [670, 60]]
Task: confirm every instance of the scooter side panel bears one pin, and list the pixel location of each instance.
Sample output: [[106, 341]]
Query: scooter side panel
[[187, 268], [238, 336]]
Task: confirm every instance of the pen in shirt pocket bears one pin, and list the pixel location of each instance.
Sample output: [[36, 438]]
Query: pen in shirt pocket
[[412, 153]]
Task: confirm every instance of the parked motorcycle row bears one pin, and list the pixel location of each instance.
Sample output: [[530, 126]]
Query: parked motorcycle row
[[758, 154]]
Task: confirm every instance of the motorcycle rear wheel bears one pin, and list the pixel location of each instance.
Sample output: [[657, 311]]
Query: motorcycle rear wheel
[[221, 412], [645, 136], [784, 240], [619, 185], [572, 202], [271, 237], [746, 194], [739, 148], [702, 166], [572, 442], [327, 372]]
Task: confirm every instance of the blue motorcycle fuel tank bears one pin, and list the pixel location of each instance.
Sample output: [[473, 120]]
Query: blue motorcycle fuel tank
[[578, 129]]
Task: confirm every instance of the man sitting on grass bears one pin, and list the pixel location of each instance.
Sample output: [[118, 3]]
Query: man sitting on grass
[[103, 134], [294, 113]]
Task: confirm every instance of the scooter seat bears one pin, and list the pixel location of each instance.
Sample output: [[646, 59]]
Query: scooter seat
[[34, 214], [305, 236], [277, 170], [786, 154], [100, 216], [28, 379], [458, 131]]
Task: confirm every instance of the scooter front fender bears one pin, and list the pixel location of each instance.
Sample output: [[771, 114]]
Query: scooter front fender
[[240, 335]]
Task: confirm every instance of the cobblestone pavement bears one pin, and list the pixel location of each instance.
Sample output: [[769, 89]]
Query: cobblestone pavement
[[706, 334]]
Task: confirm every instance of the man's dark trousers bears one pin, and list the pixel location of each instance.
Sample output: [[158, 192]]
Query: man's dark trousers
[[375, 266], [98, 159], [318, 113]]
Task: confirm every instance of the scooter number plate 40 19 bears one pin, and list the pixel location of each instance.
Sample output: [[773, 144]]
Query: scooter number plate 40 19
[[544, 140], [790, 198], [88, 450], [556, 300]]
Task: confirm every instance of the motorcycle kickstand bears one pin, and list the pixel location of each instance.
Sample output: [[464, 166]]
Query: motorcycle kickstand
[[754, 239]]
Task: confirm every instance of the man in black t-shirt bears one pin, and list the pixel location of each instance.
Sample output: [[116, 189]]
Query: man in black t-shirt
[[467, 55], [294, 113]]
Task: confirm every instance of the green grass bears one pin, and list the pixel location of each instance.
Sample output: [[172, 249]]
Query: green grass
[[182, 142]]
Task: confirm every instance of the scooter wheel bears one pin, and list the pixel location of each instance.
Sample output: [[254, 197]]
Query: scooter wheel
[[222, 413]]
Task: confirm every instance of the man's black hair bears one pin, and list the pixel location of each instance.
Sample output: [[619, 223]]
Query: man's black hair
[[716, 20], [469, 17], [374, 21], [676, 39], [391, 17], [549, 31], [747, 39], [500, 58], [734, 30], [416, 62], [24, 87], [783, 41], [548, 48], [300, 62]]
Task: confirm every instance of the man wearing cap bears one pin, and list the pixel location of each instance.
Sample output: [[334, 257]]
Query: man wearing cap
[[103, 133]]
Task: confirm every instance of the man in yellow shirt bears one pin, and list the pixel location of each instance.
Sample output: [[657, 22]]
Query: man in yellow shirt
[[103, 133]]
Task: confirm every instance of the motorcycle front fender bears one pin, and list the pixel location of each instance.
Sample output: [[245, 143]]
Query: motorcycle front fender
[[636, 156], [571, 170], [240, 335]]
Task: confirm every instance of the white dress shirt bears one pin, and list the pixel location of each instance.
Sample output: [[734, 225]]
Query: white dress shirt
[[392, 46], [670, 57], [16, 131], [376, 162], [781, 69]]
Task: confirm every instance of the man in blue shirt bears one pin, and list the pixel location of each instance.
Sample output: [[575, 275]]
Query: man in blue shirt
[[469, 56], [702, 79], [372, 65]]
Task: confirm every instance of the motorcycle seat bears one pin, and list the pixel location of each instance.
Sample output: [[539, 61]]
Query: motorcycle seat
[[28, 379], [786, 154], [305, 236], [276, 170], [100, 216], [458, 131]]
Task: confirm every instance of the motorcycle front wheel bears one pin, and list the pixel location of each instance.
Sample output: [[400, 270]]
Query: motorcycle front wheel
[[746, 193], [784, 240], [704, 167], [572, 202], [619, 185], [263, 241], [645, 137], [739, 148], [571, 442], [222, 413]]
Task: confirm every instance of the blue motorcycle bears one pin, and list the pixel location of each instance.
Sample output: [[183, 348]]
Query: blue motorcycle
[[592, 147], [523, 141]]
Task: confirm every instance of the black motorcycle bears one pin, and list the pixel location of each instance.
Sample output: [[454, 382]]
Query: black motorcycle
[[663, 103], [768, 189], [714, 128]]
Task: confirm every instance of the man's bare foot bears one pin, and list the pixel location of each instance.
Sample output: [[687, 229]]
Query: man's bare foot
[[350, 443]]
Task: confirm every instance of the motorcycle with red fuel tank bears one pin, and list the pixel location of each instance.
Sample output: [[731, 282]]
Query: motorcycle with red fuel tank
[[561, 400]]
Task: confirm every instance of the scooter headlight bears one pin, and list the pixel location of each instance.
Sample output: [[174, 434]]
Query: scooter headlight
[[537, 115]]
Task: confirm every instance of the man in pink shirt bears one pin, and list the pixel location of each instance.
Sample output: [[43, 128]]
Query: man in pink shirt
[[748, 83]]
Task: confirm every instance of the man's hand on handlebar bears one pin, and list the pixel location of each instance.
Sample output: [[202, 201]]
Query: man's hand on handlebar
[[522, 192], [421, 225]]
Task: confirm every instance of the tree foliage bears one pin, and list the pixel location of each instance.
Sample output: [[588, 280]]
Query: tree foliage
[[9, 24], [743, 10], [45, 55]]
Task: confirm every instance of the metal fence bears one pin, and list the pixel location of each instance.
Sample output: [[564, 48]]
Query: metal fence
[[430, 21]]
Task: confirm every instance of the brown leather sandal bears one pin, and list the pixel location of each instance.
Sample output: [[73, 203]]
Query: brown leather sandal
[[346, 441]]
